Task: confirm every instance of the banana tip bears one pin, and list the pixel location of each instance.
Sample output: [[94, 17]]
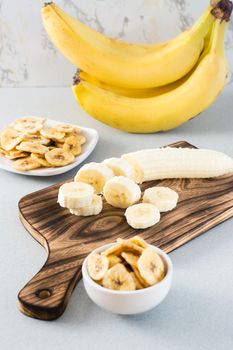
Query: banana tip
[[76, 78]]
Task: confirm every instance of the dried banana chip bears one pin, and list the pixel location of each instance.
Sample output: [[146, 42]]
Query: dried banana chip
[[59, 157], [14, 154], [37, 138], [97, 266], [25, 120], [130, 258], [71, 145], [123, 246], [136, 281], [64, 128], [118, 278], [151, 266], [28, 127], [10, 138], [75, 132], [41, 160], [25, 164], [139, 241], [113, 260], [53, 134], [81, 139], [32, 147]]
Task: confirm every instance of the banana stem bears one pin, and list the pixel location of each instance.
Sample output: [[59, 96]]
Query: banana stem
[[222, 10]]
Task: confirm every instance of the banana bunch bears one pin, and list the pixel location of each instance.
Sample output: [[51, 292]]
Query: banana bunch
[[144, 88]]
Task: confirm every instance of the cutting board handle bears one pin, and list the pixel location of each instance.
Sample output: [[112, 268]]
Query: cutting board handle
[[46, 295]]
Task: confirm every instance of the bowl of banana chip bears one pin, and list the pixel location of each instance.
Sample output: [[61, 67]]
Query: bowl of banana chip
[[127, 277], [43, 147]]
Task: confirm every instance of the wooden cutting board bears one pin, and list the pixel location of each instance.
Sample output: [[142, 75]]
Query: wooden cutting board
[[68, 239]]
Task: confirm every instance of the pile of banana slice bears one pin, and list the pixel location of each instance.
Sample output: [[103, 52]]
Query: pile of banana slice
[[83, 196], [128, 265], [32, 146]]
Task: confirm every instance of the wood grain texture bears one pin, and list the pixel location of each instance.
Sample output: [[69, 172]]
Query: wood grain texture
[[68, 239]]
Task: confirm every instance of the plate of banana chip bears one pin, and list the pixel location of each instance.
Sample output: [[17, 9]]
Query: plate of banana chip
[[43, 147]]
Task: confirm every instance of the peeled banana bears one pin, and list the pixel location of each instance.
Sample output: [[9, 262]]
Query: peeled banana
[[121, 64], [165, 163], [119, 166]]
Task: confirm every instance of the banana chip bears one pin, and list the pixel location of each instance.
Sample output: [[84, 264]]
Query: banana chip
[[37, 138], [10, 138], [97, 266], [32, 147], [71, 145], [151, 266], [52, 134], [59, 157], [118, 278], [41, 160], [25, 164], [64, 128]]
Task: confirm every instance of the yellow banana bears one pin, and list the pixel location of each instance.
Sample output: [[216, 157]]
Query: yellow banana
[[121, 64], [166, 111]]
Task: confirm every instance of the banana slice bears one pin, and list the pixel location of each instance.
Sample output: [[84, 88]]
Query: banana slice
[[32, 147], [59, 157], [124, 246], [52, 134], [81, 139], [25, 164], [97, 266], [41, 160], [95, 174], [130, 258], [71, 145], [151, 266], [137, 282], [26, 120], [94, 208], [140, 278], [74, 195], [64, 128], [143, 215], [75, 132], [121, 192], [118, 278], [29, 127], [37, 138], [119, 166], [10, 138], [139, 241], [164, 198], [15, 154], [113, 260]]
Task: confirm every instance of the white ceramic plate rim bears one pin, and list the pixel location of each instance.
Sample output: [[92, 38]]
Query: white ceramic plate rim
[[92, 139], [163, 255]]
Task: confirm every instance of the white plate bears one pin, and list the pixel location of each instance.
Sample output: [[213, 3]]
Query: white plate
[[92, 139]]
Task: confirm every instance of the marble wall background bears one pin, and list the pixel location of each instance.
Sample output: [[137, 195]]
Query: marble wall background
[[27, 58]]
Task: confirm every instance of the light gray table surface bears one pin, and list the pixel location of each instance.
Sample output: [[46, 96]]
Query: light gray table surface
[[198, 312]]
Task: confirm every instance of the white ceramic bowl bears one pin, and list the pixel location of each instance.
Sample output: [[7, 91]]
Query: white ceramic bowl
[[128, 302], [92, 139]]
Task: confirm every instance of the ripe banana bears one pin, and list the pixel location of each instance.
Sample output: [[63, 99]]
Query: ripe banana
[[166, 163], [166, 111], [164, 198], [74, 195], [119, 166], [151, 266], [95, 174], [94, 208], [121, 192], [115, 62], [143, 215]]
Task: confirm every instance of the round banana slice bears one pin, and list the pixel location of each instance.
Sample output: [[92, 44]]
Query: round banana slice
[[41, 160], [64, 128], [123, 246], [164, 198], [119, 166], [52, 134], [94, 208], [139, 241], [130, 258], [143, 215], [29, 127], [32, 147], [81, 139], [75, 132], [10, 138], [25, 120], [59, 157], [14, 154], [37, 138], [95, 174], [97, 266], [151, 266], [118, 278], [121, 192], [71, 145], [74, 195], [25, 164]]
